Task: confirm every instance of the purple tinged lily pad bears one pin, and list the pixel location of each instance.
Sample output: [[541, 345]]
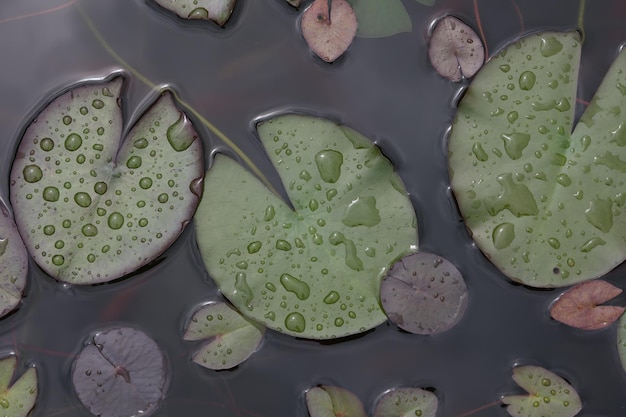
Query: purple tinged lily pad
[[218, 11], [16, 400], [120, 373], [405, 402], [423, 293], [331, 401], [329, 31], [13, 263], [455, 49]]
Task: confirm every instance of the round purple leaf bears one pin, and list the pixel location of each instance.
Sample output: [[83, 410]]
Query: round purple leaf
[[120, 373], [423, 293]]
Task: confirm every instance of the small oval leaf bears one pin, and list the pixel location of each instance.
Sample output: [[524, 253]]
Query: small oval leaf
[[13, 263], [16, 400], [405, 402], [331, 401], [329, 28], [424, 293], [580, 305], [218, 11]]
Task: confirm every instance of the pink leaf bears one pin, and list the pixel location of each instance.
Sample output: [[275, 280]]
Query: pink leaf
[[579, 306], [329, 33]]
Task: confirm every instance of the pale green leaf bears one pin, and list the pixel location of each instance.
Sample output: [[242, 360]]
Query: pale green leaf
[[13, 263], [406, 402], [218, 11], [330, 401], [377, 19], [18, 399]]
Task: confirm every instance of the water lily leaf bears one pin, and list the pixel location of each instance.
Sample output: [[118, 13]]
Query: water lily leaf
[[329, 34], [294, 3], [621, 340], [120, 373], [455, 50], [312, 271], [424, 293], [406, 402], [379, 19], [13, 263], [545, 205], [17, 400], [89, 212], [231, 337], [218, 11], [549, 395], [330, 401], [579, 306]]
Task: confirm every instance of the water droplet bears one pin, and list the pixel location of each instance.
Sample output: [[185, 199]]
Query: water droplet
[[4, 242], [67, 120], [600, 214], [58, 260], [592, 243], [304, 175], [32, 173], [332, 192], [181, 135], [313, 204], [91, 258], [479, 152], [66, 224], [115, 221], [199, 13], [141, 143], [512, 116], [564, 180], [59, 244], [527, 80], [296, 286], [361, 212], [163, 198], [46, 144], [517, 198], [505, 68], [82, 199], [329, 165], [371, 252], [242, 289], [100, 188], [100, 131], [133, 162], [145, 183], [550, 46], [254, 247], [73, 142], [89, 230], [502, 235], [51, 194], [283, 245], [295, 322], [270, 212], [515, 143], [352, 260], [4, 403], [97, 104], [332, 297], [338, 322], [554, 243]]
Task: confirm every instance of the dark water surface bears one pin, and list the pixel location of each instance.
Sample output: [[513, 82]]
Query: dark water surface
[[384, 88]]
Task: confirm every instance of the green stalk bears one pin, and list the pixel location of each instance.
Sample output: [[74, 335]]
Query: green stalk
[[581, 15], [183, 103]]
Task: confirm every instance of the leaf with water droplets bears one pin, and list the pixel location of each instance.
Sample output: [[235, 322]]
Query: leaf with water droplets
[[548, 394], [405, 402], [543, 202], [455, 50], [329, 30], [218, 11], [379, 19], [313, 270], [120, 373], [13, 263], [90, 212], [229, 337], [18, 399], [424, 293], [579, 306], [331, 401]]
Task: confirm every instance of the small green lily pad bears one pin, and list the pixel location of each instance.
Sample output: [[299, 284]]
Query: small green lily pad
[[545, 204], [312, 271], [406, 402], [17, 399], [90, 212], [13, 263], [331, 401], [231, 337], [218, 11], [379, 19], [549, 395]]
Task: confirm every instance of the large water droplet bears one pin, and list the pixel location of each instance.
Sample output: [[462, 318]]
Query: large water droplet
[[283, 245], [181, 135], [527, 80], [97, 104], [270, 212], [100, 188], [332, 297], [515, 143], [73, 142], [199, 13], [329, 165], [361, 212], [564, 180], [242, 289], [600, 214], [4, 242], [550, 46], [46, 144], [351, 259], [296, 286], [141, 143], [502, 235], [145, 183], [115, 221], [58, 260], [89, 230], [51, 194], [32, 173], [133, 162], [295, 322], [591, 244], [517, 198], [479, 152], [254, 247], [82, 199]]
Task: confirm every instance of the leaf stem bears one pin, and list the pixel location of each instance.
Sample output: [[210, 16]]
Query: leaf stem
[[187, 106], [480, 29], [581, 15]]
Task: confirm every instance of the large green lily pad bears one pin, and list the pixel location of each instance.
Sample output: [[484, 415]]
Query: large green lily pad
[[545, 205], [313, 270], [90, 212]]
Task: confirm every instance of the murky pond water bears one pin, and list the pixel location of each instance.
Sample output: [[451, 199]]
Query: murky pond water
[[257, 65]]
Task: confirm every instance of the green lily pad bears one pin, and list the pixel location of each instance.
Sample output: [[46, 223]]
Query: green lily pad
[[379, 19], [621, 340], [18, 399], [406, 402], [90, 212], [545, 205], [13, 263], [549, 395], [330, 401], [313, 271], [231, 337], [218, 11]]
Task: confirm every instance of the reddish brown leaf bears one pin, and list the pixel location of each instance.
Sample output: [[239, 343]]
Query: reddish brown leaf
[[580, 306], [329, 34]]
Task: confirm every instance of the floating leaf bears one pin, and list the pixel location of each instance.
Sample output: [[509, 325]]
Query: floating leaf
[[18, 399], [455, 50], [549, 395], [424, 293], [329, 34], [120, 373], [579, 306], [330, 401], [406, 402], [545, 205], [13, 263], [89, 212], [378, 19], [294, 3], [233, 338], [312, 271], [218, 11], [621, 340]]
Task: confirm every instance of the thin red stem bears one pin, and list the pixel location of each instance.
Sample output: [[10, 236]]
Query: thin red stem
[[26, 16], [519, 15], [481, 408], [480, 29]]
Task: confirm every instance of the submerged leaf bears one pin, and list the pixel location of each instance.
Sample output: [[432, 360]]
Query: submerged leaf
[[16, 400], [378, 18], [330, 401], [548, 394], [218, 11], [406, 402], [455, 50], [329, 34], [312, 271], [120, 373], [89, 212], [13, 263], [427, 2], [621, 340], [424, 293], [231, 337], [545, 205], [579, 306]]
